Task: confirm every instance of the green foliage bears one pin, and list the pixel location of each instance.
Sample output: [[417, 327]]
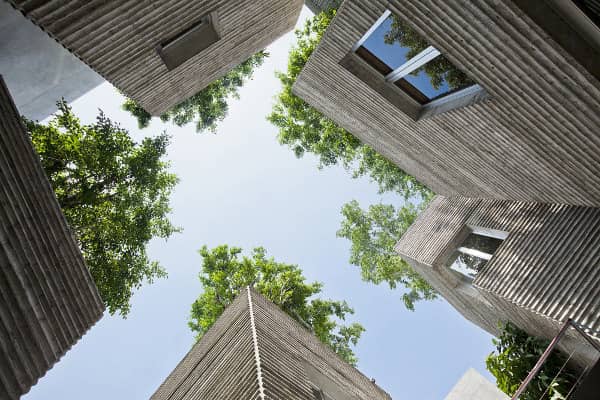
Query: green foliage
[[305, 130], [209, 106], [516, 354], [439, 70], [225, 272], [114, 194], [373, 234]]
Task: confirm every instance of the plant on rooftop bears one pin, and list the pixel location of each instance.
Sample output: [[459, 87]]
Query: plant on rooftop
[[305, 130], [209, 106], [516, 354], [225, 271], [114, 194]]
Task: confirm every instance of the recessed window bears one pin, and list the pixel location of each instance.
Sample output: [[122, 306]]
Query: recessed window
[[407, 71], [407, 60], [475, 251], [180, 48]]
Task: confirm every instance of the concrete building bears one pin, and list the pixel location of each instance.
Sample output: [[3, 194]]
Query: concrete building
[[161, 52], [483, 99], [256, 351], [48, 299], [37, 70], [318, 6], [533, 264], [473, 386]]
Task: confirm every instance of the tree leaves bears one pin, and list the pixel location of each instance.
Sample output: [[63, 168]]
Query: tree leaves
[[114, 194], [209, 106], [373, 235], [225, 272], [516, 354], [305, 130]]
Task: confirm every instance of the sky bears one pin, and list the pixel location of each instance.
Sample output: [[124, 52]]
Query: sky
[[240, 187]]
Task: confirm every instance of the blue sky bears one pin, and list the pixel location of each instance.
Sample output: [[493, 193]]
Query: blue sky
[[394, 55], [240, 187]]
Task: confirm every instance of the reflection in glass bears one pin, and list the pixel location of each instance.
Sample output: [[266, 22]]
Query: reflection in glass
[[392, 53], [393, 44], [473, 254]]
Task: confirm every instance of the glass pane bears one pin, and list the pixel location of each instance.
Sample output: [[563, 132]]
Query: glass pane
[[438, 77], [390, 51], [466, 264], [482, 243], [394, 43]]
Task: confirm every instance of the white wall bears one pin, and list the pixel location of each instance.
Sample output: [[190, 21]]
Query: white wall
[[37, 70], [473, 386]]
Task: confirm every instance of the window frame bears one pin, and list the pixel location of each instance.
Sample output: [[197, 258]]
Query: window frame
[[480, 231], [394, 88]]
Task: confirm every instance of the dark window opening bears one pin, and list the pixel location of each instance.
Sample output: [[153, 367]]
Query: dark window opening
[[180, 48]]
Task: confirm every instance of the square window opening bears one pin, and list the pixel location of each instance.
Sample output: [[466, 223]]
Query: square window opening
[[475, 251], [407, 61], [188, 43]]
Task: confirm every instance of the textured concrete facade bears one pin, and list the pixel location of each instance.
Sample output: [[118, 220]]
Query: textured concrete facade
[[37, 70], [48, 299], [118, 39], [473, 386], [256, 351], [318, 6], [546, 271], [535, 136]]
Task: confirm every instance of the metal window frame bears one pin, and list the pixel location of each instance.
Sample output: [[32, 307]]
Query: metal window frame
[[416, 62], [372, 29], [427, 55], [459, 98], [475, 253], [485, 232]]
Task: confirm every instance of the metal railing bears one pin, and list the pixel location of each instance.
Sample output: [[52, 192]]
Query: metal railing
[[546, 354]]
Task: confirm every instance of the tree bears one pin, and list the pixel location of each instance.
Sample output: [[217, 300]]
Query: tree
[[516, 354], [209, 106], [225, 272], [306, 130], [114, 194], [373, 235], [440, 70]]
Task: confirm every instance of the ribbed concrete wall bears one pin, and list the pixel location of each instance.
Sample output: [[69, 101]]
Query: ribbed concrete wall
[[118, 38], [221, 365], [317, 6], [47, 297], [547, 269], [535, 138], [256, 351]]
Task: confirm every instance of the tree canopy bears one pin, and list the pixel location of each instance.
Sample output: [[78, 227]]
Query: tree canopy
[[114, 194], [207, 107], [225, 272], [373, 233], [440, 70], [516, 354], [305, 130]]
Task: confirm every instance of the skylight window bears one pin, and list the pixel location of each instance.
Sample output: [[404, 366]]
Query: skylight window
[[475, 251], [408, 61]]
